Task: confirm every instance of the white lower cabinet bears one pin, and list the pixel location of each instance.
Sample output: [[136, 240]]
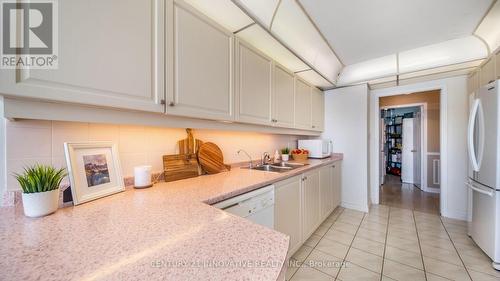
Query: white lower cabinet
[[337, 183], [326, 192], [288, 210], [311, 198], [303, 202]]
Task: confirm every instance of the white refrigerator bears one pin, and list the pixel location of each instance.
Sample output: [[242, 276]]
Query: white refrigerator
[[484, 170]]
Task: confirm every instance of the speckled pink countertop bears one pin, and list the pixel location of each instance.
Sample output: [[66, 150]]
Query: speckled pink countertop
[[167, 232]]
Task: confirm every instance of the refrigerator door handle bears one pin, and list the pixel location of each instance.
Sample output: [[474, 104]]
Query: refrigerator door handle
[[475, 159], [473, 188]]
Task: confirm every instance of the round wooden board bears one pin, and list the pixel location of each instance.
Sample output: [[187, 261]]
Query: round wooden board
[[211, 159]]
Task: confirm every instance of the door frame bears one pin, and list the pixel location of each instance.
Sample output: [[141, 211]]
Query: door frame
[[374, 133], [423, 138]]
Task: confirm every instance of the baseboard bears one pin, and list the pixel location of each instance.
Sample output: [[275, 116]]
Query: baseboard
[[458, 215], [432, 190], [357, 207]]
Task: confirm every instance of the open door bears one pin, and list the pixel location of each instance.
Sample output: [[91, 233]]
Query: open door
[[407, 156], [417, 150]]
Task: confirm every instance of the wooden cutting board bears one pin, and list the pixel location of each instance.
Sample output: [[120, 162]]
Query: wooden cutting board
[[189, 145], [211, 159], [180, 166]]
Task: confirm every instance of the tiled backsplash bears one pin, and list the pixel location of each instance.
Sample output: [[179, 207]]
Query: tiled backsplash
[[36, 141]]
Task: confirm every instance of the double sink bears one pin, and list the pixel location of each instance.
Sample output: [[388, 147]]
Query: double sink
[[277, 167]]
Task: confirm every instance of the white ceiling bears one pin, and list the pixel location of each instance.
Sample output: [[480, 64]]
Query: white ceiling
[[359, 30]]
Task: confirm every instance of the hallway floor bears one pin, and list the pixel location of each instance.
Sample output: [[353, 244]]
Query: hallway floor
[[390, 243], [407, 196]]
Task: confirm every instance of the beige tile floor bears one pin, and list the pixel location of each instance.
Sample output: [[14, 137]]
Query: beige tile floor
[[403, 195], [390, 243]]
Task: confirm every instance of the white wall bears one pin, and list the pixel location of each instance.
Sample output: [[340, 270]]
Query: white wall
[[346, 123], [39, 141], [454, 115]]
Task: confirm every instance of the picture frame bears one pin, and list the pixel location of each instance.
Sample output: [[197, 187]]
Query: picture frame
[[94, 170]]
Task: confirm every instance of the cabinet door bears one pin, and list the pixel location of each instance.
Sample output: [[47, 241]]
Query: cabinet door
[[326, 191], [110, 53], [318, 110], [310, 193], [202, 69], [283, 97], [302, 105], [473, 82], [337, 183], [487, 74], [288, 211], [254, 77]]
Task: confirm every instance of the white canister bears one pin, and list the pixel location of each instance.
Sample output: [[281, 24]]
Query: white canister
[[142, 176]]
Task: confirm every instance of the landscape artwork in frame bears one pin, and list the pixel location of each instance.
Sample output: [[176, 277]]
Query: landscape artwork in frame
[[94, 170]]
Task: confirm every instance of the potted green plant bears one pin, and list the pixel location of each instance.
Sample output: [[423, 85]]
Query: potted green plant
[[40, 185], [285, 154]]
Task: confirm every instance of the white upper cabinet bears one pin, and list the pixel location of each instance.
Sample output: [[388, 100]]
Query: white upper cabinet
[[283, 97], [302, 105], [202, 68], [318, 109], [110, 53], [253, 85], [473, 82], [487, 73]]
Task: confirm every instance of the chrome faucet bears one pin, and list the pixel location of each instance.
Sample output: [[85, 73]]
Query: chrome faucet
[[249, 158], [266, 158]]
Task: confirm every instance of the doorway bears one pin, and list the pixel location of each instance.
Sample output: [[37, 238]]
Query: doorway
[[409, 151]]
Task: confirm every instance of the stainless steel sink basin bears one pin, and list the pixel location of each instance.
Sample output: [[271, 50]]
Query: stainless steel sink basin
[[277, 167]]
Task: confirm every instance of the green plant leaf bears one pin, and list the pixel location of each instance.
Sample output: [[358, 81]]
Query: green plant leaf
[[40, 178]]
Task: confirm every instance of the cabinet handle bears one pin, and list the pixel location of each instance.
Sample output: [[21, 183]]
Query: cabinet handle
[[171, 103], [491, 81], [313, 126]]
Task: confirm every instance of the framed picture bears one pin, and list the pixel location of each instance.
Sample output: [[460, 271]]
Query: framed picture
[[94, 170]]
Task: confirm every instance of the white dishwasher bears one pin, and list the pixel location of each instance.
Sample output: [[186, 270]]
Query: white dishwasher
[[257, 206]]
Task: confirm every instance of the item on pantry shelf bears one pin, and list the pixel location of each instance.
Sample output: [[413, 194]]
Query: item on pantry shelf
[[94, 170], [189, 145], [180, 166], [211, 159], [300, 154], [40, 186], [142, 176]]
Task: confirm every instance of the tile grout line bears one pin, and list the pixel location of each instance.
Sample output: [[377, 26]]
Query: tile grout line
[[385, 243], [419, 246], [348, 249], [454, 247], [302, 263]]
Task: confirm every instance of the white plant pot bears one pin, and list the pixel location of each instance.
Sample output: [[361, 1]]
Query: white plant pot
[[41, 203], [285, 157]]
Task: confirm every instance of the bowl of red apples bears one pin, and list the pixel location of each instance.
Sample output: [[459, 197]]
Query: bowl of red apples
[[300, 154]]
